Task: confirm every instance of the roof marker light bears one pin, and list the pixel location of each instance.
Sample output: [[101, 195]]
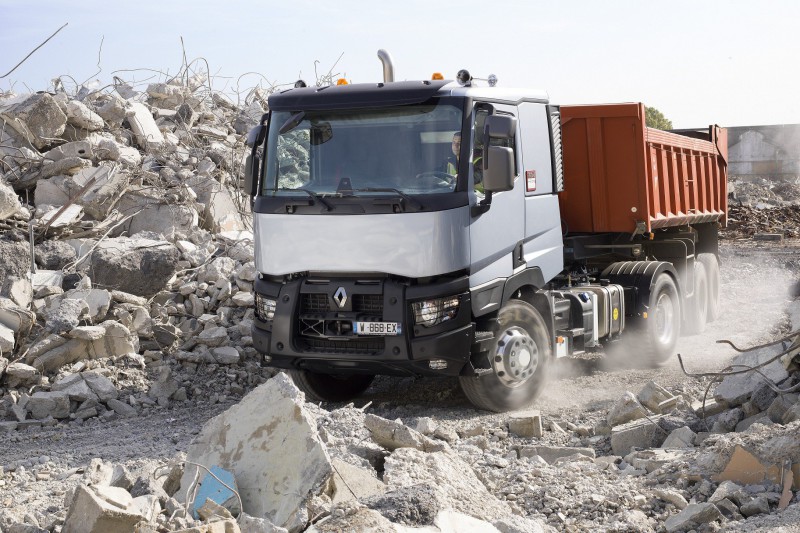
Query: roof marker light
[[437, 76], [341, 81]]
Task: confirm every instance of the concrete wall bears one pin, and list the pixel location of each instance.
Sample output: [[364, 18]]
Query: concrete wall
[[764, 150]]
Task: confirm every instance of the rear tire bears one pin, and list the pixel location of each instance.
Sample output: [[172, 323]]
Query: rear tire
[[661, 328], [520, 357], [331, 387], [697, 307], [711, 265]]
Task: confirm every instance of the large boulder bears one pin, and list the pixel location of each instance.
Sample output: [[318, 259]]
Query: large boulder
[[138, 266], [9, 202], [275, 454], [54, 255]]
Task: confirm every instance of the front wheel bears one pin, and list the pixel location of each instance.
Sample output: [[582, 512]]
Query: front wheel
[[519, 359], [330, 387]]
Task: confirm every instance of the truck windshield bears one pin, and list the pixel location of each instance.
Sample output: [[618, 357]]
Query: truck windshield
[[352, 152]]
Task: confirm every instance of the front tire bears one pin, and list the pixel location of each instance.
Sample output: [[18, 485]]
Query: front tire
[[330, 387], [520, 357]]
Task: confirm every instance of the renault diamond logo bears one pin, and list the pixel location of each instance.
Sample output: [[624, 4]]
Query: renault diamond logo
[[340, 297]]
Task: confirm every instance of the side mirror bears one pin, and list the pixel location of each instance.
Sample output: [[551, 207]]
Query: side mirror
[[248, 174], [499, 176], [255, 138], [501, 126]]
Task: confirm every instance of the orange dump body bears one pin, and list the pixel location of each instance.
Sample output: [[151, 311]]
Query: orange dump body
[[621, 176]]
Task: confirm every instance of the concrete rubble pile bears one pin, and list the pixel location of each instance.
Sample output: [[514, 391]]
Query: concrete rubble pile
[[297, 467], [763, 208], [142, 258]]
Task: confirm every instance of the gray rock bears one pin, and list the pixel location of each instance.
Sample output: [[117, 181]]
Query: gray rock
[[757, 505], [44, 404], [101, 385], [121, 408], [75, 387], [136, 266], [780, 406], [763, 397], [693, 515], [226, 355], [652, 395], [726, 422], [729, 490], [213, 336], [7, 339], [65, 315], [54, 255]]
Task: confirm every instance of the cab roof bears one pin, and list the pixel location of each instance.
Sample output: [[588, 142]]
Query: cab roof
[[361, 95]]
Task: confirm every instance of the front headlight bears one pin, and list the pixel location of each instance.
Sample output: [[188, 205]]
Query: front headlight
[[432, 312], [265, 307]]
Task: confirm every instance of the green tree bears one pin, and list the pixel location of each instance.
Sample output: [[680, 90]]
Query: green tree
[[655, 119]]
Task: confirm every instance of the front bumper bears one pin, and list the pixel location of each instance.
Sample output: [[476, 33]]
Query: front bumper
[[288, 342]]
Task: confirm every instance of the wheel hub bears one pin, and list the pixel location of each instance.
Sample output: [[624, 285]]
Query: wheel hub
[[516, 358]]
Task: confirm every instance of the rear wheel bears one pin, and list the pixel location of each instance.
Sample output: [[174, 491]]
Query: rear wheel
[[711, 265], [663, 323], [697, 307], [330, 387], [520, 356]]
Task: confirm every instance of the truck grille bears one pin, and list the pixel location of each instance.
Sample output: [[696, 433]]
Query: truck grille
[[354, 346], [371, 304], [314, 303]]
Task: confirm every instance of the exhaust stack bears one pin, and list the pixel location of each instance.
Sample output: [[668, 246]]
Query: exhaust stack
[[388, 66]]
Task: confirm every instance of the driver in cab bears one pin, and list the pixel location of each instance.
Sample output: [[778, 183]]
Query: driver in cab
[[451, 166]]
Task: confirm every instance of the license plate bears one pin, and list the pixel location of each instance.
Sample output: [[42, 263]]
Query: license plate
[[377, 328]]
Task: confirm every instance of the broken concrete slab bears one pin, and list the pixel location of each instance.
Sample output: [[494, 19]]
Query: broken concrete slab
[[393, 435], [53, 359], [552, 453], [96, 509], [98, 301], [37, 118], [526, 424], [75, 387], [644, 433], [652, 395], [82, 117], [625, 409], [737, 389], [276, 454], [102, 386], [682, 437], [354, 483], [672, 496], [144, 126]]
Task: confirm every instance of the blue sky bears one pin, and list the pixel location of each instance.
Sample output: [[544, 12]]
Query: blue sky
[[728, 62]]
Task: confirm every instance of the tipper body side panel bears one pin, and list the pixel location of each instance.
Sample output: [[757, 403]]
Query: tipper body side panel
[[621, 176]]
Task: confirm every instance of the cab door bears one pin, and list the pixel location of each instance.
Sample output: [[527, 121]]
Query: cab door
[[495, 234]]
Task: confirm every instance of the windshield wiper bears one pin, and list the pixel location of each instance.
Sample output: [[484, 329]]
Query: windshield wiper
[[312, 194], [411, 202]]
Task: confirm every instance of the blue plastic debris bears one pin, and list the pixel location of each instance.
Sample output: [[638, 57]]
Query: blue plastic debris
[[211, 488]]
